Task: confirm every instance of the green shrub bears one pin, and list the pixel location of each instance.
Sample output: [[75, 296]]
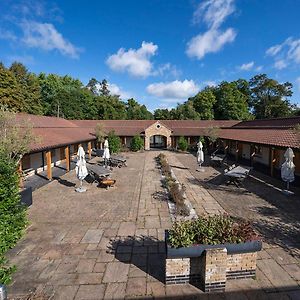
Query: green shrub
[[182, 144], [12, 214], [211, 230], [137, 143], [114, 142]]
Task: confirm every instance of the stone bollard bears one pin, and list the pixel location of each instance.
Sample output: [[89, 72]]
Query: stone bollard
[[213, 269]]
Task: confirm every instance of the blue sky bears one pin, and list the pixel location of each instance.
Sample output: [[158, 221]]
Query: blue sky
[[159, 52]]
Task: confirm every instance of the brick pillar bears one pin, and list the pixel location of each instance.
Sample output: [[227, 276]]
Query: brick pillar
[[213, 273], [147, 142]]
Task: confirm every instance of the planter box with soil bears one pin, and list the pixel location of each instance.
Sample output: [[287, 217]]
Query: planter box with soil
[[210, 264]]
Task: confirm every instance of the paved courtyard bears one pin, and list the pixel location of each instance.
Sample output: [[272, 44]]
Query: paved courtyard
[[108, 244]]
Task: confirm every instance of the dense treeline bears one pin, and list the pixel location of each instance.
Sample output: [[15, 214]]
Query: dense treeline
[[258, 98], [64, 96]]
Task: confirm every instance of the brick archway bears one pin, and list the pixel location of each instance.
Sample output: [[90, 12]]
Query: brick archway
[[157, 128]]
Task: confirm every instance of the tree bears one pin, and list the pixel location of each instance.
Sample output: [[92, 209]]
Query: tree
[[162, 114], [185, 111], [10, 91], [182, 143], [231, 104], [15, 138], [269, 98], [30, 89], [136, 143], [203, 103], [114, 142], [100, 134], [93, 86], [135, 111], [104, 91]]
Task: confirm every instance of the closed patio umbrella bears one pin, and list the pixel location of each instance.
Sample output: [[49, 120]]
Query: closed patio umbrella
[[106, 154], [288, 169], [81, 170], [200, 155]]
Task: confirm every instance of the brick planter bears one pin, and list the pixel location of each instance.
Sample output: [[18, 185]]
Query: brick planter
[[211, 265]]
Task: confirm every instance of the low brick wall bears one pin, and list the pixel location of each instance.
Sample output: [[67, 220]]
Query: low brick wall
[[211, 269]]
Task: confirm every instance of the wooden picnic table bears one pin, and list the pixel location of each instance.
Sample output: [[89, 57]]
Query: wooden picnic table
[[217, 159], [237, 175]]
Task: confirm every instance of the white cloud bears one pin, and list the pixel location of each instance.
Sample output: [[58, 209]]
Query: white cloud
[[210, 83], [174, 89], [134, 61], [168, 70], [116, 90], [247, 66], [7, 35], [213, 13], [298, 83], [286, 53], [210, 42], [46, 37]]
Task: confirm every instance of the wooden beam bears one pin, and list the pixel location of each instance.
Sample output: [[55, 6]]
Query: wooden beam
[[236, 151], [20, 172], [90, 149], [272, 161], [49, 164], [67, 155]]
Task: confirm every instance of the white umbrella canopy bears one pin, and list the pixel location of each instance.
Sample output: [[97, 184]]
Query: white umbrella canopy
[[288, 167], [200, 154], [81, 170]]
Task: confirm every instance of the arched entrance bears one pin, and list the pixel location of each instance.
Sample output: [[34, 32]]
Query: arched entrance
[[158, 141]]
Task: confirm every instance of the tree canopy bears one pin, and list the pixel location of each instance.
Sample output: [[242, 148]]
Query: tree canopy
[[67, 97]]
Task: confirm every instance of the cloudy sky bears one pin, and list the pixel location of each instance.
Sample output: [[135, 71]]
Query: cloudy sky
[[157, 51]]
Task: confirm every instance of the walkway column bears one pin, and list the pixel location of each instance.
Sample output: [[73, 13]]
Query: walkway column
[[49, 167], [67, 155], [90, 149], [236, 151], [272, 161], [20, 172]]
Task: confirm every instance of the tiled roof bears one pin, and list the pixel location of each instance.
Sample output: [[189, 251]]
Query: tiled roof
[[57, 132], [276, 137], [270, 123]]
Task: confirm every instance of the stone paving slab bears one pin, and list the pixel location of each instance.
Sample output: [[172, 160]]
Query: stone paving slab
[[109, 244]]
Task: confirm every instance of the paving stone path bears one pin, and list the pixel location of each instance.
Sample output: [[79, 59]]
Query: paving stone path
[[108, 244]]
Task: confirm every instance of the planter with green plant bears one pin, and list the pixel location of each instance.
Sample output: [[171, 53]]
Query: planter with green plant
[[219, 245]]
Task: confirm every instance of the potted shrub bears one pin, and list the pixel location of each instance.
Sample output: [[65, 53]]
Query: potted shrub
[[218, 245]]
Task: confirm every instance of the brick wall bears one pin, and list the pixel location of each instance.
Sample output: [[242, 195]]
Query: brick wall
[[212, 269]]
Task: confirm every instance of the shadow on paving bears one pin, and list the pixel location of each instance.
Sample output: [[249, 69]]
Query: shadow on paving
[[148, 254], [277, 219]]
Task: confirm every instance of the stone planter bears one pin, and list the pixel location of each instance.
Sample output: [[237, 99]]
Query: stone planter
[[211, 265]]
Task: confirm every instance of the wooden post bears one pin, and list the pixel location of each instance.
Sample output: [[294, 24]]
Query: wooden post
[[49, 167], [236, 151], [90, 149], [20, 171], [189, 140], [272, 161], [125, 142], [67, 155]]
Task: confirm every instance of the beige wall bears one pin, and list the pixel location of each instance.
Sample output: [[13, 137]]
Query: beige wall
[[157, 129]]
